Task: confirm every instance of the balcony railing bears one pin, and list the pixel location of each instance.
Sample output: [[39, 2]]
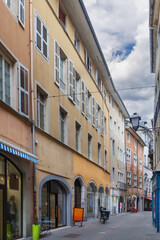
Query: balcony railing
[[122, 185]]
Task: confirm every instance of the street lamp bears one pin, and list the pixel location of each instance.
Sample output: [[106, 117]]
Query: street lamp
[[134, 119]]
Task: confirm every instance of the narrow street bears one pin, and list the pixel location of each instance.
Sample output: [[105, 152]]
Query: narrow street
[[127, 226]]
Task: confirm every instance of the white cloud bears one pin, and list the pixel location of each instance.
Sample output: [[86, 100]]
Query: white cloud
[[117, 24]]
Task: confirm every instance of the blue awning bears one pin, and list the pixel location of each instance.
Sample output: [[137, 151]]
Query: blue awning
[[8, 147]]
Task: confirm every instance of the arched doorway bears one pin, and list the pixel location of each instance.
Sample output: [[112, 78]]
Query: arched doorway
[[100, 197], [91, 191], [10, 199], [55, 201], [107, 202], [77, 193]]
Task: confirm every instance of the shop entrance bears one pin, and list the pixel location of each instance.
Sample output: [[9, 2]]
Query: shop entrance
[[77, 194], [53, 204], [10, 200]]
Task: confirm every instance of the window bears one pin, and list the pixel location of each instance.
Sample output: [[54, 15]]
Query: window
[[140, 182], [102, 119], [120, 177], [41, 37], [110, 99], [41, 102], [140, 163], [105, 125], [104, 95], [105, 159], [89, 146], [23, 91], [110, 121], [113, 175], [128, 177], [135, 143], [112, 103], [22, 12], [8, 2], [128, 154], [88, 105], [82, 97], [128, 137], [145, 160], [113, 148], [135, 159], [99, 153], [98, 117], [62, 16], [118, 131], [76, 42], [5, 80], [78, 136], [115, 126], [77, 90], [98, 81], [135, 180], [88, 62], [60, 68], [63, 125], [93, 111]]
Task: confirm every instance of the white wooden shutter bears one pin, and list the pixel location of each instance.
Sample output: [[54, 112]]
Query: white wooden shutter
[[96, 115], [70, 79], [87, 103], [21, 15], [74, 85], [82, 97], [102, 119], [56, 62], [93, 111]]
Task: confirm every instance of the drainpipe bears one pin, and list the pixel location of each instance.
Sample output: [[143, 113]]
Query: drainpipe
[[33, 117]]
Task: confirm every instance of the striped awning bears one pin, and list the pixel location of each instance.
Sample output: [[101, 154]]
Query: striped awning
[[8, 147]]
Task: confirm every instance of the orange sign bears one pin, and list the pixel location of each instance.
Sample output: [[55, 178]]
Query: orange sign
[[78, 215]]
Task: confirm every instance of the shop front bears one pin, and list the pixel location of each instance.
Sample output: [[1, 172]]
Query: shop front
[[91, 199], [55, 201], [12, 190], [156, 200]]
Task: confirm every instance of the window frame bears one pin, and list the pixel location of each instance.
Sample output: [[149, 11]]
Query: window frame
[[128, 137], [23, 90], [21, 4], [41, 36], [38, 91]]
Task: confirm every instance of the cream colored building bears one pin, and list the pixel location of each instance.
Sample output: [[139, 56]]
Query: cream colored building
[[117, 116]]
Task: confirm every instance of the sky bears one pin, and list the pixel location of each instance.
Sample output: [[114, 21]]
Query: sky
[[122, 29]]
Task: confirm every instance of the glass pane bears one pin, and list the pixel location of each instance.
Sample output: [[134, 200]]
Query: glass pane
[[1, 214], [1, 87], [39, 41], [44, 33], [38, 25], [2, 170], [45, 49], [44, 212], [22, 14], [41, 116], [13, 201], [53, 210], [22, 77], [61, 208], [7, 83], [22, 102], [26, 80]]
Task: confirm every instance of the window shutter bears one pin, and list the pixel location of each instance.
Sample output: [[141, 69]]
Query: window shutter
[[38, 25], [104, 95], [70, 79], [97, 77], [22, 12], [86, 103], [102, 117], [101, 87], [93, 111], [96, 115], [56, 62], [90, 66], [45, 41], [85, 54], [82, 97], [74, 85]]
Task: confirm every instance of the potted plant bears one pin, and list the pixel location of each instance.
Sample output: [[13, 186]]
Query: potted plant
[[35, 229]]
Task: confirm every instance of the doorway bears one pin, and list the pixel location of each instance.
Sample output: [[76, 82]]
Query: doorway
[[77, 203], [53, 204]]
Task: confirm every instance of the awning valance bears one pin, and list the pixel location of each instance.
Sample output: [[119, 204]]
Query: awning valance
[[149, 198], [8, 147]]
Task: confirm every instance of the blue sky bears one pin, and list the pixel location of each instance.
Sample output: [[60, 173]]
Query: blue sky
[[122, 29]]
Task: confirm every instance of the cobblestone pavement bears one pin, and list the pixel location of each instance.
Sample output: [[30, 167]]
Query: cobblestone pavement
[[125, 226]]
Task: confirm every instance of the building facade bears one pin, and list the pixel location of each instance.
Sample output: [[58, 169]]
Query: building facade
[[134, 150], [117, 116], [16, 139]]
